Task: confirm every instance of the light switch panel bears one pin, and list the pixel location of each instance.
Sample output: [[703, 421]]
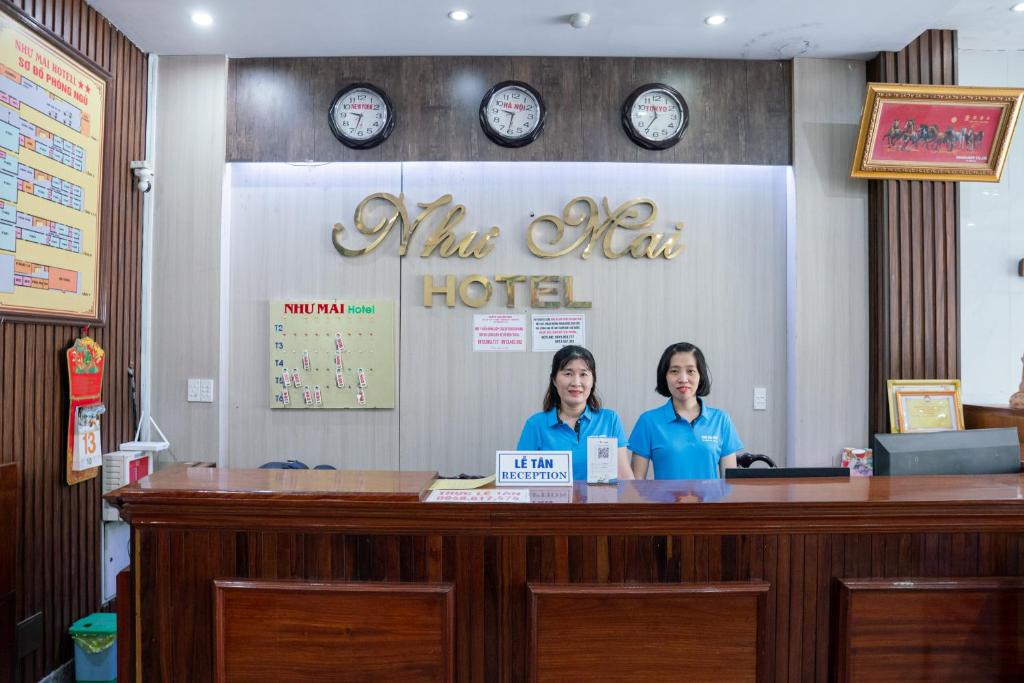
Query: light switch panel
[[760, 398]]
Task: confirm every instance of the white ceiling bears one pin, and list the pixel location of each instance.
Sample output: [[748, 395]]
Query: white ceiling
[[756, 29]]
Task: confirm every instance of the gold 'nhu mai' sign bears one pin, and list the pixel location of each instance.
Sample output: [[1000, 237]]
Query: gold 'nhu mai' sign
[[582, 225]]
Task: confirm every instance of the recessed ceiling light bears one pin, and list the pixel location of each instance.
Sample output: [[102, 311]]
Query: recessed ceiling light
[[1019, 7], [458, 15], [715, 20], [202, 19]]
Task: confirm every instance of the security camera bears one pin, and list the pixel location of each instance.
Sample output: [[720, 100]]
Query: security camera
[[579, 20], [143, 171]]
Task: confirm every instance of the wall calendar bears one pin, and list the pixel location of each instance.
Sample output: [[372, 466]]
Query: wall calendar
[[332, 353]]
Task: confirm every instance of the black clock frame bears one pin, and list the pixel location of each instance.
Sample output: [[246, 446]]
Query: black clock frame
[[375, 139], [497, 137], [634, 134]]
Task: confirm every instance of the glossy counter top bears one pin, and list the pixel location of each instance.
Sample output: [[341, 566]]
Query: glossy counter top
[[183, 482], [357, 499]]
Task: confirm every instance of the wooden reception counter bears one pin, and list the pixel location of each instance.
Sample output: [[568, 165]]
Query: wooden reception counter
[[278, 575]]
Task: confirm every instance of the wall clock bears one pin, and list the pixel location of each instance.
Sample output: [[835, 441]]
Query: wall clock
[[655, 116], [512, 114], [361, 116]]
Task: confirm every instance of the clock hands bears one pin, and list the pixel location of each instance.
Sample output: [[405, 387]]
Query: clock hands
[[651, 123], [360, 121], [511, 117]]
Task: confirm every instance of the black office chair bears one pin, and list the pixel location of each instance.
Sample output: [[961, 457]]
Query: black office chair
[[292, 465], [748, 459]]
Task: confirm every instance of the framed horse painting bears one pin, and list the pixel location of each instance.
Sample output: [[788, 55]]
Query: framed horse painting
[[935, 132]]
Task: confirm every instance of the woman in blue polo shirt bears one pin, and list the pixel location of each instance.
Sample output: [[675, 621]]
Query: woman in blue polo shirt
[[685, 438], [572, 412]]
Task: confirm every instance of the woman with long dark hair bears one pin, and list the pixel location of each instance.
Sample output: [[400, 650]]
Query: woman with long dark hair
[[572, 413]]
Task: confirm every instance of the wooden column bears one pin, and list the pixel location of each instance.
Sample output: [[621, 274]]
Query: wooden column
[[914, 235], [8, 567], [59, 569]]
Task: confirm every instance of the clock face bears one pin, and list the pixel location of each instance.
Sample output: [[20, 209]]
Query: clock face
[[512, 114], [655, 116], [361, 116]]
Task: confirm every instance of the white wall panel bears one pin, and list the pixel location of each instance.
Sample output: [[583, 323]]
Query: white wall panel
[[725, 292], [280, 225], [991, 244], [186, 249], [828, 265]]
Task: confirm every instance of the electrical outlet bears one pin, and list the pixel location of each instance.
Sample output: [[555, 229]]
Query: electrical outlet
[[206, 390], [200, 390], [760, 398]]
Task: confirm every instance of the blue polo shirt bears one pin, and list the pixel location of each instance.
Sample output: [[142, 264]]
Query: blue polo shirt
[[545, 432], [681, 450]]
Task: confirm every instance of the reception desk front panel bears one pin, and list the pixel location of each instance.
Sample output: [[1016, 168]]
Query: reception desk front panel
[[647, 577]]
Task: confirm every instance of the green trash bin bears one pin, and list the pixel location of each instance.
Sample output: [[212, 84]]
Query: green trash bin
[[95, 638]]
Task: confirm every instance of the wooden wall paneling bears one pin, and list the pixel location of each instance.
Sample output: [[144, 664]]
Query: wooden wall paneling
[[949, 629], [125, 626], [270, 108], [794, 608], [329, 631], [490, 575], [768, 111], [989, 416], [726, 140], [639, 632], [781, 588], [437, 100], [820, 589], [914, 228], [512, 607], [8, 566], [605, 83], [470, 608], [559, 81], [690, 78], [329, 75], [441, 101], [59, 556]]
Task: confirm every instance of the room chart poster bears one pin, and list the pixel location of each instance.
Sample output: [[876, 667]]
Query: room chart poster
[[52, 110], [332, 353]]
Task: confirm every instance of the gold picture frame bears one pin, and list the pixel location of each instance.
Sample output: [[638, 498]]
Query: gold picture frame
[[935, 132], [56, 107], [928, 386]]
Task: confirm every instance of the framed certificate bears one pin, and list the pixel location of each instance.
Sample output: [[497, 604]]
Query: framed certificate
[[898, 386], [928, 411]]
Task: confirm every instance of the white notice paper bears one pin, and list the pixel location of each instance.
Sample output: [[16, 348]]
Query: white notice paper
[[553, 331], [499, 332]]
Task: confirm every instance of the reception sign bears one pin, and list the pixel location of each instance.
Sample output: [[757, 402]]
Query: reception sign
[[534, 468]]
